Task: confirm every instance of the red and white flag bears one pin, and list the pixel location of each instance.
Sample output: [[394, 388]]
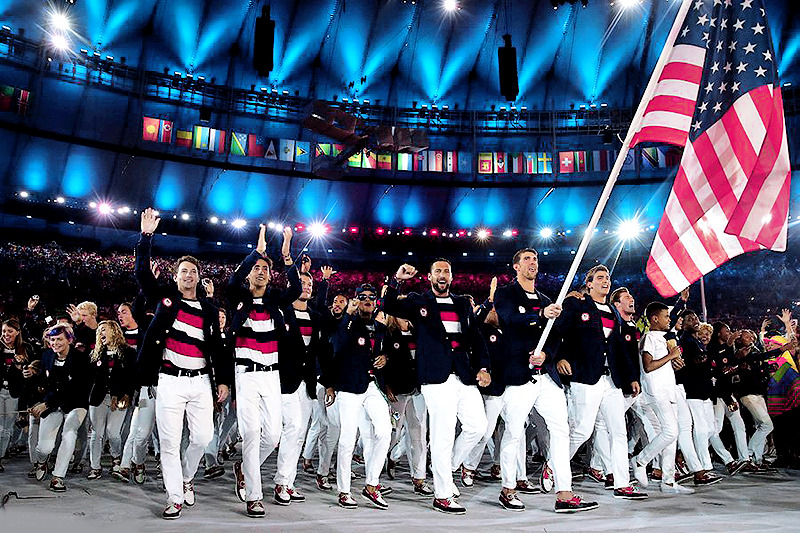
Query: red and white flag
[[719, 97]]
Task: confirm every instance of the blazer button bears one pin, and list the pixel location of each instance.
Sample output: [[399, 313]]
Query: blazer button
[[158, 342]]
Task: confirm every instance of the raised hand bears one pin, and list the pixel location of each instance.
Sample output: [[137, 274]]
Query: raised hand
[[286, 247], [261, 247], [154, 268], [150, 220], [352, 306], [327, 271], [305, 264], [208, 285], [405, 272], [785, 317], [33, 301], [492, 288], [74, 314], [685, 294]]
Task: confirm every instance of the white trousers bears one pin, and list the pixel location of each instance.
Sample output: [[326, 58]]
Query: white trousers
[[48, 432], [685, 431], [368, 413], [601, 444], [259, 415], [180, 397], [318, 428], [448, 403], [331, 440], [757, 405], [492, 405], [105, 423], [142, 424], [7, 406], [296, 411], [414, 418], [33, 438], [703, 427], [665, 441], [549, 401], [721, 412], [585, 403]]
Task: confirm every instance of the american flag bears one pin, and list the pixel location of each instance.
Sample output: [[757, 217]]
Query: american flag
[[719, 97]]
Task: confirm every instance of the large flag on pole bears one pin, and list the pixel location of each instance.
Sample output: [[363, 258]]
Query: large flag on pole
[[719, 97]]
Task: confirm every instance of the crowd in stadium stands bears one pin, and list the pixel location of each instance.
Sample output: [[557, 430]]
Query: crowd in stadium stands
[[376, 367]]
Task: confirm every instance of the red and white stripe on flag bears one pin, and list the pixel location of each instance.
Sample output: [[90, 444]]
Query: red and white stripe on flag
[[731, 194]]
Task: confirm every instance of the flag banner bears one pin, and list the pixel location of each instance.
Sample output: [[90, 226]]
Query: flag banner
[[6, 97], [601, 161], [719, 98], [286, 150], [566, 162], [337, 149], [517, 163], [438, 160], [451, 162], [421, 161], [322, 149], [201, 137], [485, 163], [355, 160], [238, 143], [216, 141], [22, 103], [302, 152], [150, 129], [183, 138], [652, 159], [385, 161], [500, 166], [368, 160], [256, 145], [544, 163], [671, 155], [271, 152], [404, 162], [630, 162], [464, 162], [530, 163], [580, 161]]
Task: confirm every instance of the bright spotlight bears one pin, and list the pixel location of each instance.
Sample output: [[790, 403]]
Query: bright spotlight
[[483, 234], [545, 233], [317, 230], [450, 5], [59, 42], [185, 216], [625, 4], [60, 200], [59, 21], [239, 223], [104, 209], [23, 194], [214, 220], [628, 229]]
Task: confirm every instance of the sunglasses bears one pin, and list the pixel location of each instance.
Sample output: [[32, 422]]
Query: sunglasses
[[365, 297]]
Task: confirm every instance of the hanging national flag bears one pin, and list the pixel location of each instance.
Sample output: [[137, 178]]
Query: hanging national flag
[[485, 163], [302, 152], [630, 162], [355, 160], [580, 161], [544, 163], [566, 162], [651, 159], [517, 163], [719, 97], [450, 162], [337, 149], [530, 162], [201, 134], [671, 155], [271, 152], [238, 143], [156, 130], [421, 161], [286, 150], [464, 162], [600, 161], [385, 161], [23, 98], [322, 149], [368, 160], [183, 138], [6, 97], [216, 141], [438, 160], [404, 162], [256, 145], [500, 163]]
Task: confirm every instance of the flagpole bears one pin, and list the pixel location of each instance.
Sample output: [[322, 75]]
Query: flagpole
[[612, 179], [703, 298]]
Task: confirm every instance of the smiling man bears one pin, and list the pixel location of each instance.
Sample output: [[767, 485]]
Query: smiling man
[[591, 354]]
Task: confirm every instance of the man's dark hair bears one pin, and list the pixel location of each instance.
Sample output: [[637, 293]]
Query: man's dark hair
[[518, 256], [440, 259], [306, 274], [594, 270], [366, 287], [653, 308], [187, 259], [617, 294]]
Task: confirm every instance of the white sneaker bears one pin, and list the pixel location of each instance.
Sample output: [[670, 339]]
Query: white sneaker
[[188, 493], [674, 488], [640, 473], [456, 492]]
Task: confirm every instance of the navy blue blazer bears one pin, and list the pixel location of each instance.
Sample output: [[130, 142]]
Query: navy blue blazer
[[351, 367], [435, 357], [579, 339], [73, 393], [522, 320]]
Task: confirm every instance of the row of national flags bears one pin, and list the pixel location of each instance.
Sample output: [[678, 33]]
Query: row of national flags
[[205, 138], [14, 100]]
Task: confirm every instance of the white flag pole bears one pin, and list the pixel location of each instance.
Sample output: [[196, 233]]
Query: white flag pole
[[612, 179]]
